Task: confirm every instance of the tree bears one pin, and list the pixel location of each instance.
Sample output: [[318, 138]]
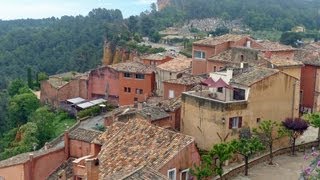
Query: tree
[[268, 132], [44, 119], [25, 141], [314, 120], [222, 152], [204, 170], [295, 128], [15, 86], [20, 107], [29, 78], [247, 147], [290, 38]]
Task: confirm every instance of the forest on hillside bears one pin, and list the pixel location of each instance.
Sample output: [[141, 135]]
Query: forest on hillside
[[75, 43], [257, 14]]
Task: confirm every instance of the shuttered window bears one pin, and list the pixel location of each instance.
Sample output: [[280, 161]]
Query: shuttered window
[[235, 122]]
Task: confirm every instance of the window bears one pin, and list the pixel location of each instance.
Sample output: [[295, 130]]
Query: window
[[171, 93], [185, 174], [127, 75], [172, 174], [239, 94], [140, 76], [199, 55], [242, 58], [235, 122], [220, 89], [127, 89], [139, 91], [214, 68]]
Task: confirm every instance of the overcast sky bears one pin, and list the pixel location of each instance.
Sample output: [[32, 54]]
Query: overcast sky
[[18, 9]]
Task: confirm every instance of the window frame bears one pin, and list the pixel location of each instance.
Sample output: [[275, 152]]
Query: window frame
[[237, 125], [187, 171], [220, 89], [127, 75], [173, 94], [202, 55], [175, 173], [140, 76]]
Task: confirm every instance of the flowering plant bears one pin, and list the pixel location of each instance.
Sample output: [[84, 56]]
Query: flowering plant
[[312, 172]]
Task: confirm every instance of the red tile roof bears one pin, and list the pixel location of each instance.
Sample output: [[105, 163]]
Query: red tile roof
[[133, 67], [212, 41], [138, 143], [176, 65]]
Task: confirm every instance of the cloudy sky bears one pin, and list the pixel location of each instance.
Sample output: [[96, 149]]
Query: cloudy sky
[[17, 9]]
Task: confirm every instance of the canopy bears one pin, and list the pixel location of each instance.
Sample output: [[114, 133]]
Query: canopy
[[208, 82], [220, 83]]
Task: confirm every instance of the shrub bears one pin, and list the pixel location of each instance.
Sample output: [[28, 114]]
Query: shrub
[[93, 111]]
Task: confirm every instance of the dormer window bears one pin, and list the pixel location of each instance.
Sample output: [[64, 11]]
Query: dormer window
[[199, 55]]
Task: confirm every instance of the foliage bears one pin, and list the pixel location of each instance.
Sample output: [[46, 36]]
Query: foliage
[[257, 14], [312, 172], [3, 112], [314, 120], [269, 131], [295, 127], [20, 107], [222, 152], [44, 120], [247, 147], [25, 141], [220, 31], [291, 38], [92, 111], [15, 86], [202, 171]]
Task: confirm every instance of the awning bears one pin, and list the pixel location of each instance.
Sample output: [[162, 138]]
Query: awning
[[220, 83], [208, 82], [75, 100]]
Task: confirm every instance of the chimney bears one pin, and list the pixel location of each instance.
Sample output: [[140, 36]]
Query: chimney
[[66, 145], [140, 106], [248, 44], [92, 169]]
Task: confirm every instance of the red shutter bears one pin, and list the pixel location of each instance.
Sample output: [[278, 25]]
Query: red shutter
[[240, 122], [230, 123]]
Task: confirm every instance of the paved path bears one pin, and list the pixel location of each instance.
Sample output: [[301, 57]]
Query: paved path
[[287, 168], [91, 122]]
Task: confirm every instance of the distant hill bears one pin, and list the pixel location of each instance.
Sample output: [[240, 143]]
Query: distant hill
[[257, 14]]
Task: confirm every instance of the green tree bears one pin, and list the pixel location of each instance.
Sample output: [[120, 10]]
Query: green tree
[[222, 152], [20, 107], [314, 120], [29, 78], [44, 120], [15, 86], [25, 141], [268, 132], [204, 170], [247, 147]]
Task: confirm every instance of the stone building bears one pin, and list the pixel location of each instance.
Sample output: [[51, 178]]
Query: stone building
[[64, 86], [250, 96], [171, 70], [136, 82]]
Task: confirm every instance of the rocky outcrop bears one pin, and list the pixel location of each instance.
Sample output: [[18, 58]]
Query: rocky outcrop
[[162, 4], [116, 55]]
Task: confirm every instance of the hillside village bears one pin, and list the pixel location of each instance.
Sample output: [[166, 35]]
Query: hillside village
[[169, 108]]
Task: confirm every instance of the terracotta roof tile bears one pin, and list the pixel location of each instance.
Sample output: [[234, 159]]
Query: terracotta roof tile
[[283, 62], [187, 80], [176, 65], [133, 67], [252, 75], [155, 113], [84, 134], [60, 80], [155, 57], [145, 173], [138, 143], [274, 46], [212, 41]]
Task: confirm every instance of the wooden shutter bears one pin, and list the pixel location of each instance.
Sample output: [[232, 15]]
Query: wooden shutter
[[230, 123], [240, 122]]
